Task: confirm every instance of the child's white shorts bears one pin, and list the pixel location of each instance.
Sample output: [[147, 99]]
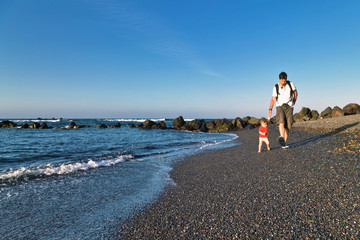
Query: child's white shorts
[[266, 140]]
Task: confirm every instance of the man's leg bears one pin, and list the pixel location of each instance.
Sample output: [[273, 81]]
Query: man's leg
[[282, 129], [286, 134], [289, 120]]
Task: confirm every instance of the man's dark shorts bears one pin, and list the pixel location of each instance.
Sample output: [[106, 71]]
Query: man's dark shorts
[[284, 114]]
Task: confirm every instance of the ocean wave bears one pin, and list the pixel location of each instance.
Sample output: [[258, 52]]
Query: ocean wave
[[36, 120], [26, 173], [205, 145]]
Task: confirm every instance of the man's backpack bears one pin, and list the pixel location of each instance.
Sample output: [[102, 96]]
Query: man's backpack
[[277, 89]]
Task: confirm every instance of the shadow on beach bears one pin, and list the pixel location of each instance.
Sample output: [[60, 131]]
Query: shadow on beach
[[322, 136]]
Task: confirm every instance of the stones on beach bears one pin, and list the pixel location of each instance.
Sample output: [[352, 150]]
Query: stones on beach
[[306, 114], [238, 123], [351, 108], [254, 121], [337, 112], [326, 113], [314, 115], [194, 125], [217, 125]]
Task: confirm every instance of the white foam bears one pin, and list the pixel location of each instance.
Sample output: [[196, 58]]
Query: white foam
[[66, 168], [219, 142], [36, 120]]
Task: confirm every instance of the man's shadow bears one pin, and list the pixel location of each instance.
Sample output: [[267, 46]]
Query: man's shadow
[[322, 136]]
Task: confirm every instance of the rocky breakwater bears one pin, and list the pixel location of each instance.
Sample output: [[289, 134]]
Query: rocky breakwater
[[10, 124], [36, 125], [218, 125], [148, 124], [306, 114]]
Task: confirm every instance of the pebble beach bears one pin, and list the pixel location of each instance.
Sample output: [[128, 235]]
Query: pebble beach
[[310, 191]]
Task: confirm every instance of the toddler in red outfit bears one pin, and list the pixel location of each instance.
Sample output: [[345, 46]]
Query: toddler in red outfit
[[263, 132]]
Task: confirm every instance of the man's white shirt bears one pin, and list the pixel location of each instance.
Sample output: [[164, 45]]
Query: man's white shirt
[[284, 95]]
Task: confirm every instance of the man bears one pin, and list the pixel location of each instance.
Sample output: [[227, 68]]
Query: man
[[285, 96]]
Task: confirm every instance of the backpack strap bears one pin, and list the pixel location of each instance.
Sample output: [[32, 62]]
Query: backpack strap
[[291, 90], [277, 89]]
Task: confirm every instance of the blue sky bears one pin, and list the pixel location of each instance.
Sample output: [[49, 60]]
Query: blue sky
[[162, 58]]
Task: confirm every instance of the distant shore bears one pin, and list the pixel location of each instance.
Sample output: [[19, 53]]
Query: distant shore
[[309, 191]]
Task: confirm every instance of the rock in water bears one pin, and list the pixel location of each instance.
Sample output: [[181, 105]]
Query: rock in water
[[179, 122]]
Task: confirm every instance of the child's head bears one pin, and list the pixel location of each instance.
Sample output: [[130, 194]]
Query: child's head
[[264, 122]]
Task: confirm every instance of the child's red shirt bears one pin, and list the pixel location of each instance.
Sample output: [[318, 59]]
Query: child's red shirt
[[263, 130]]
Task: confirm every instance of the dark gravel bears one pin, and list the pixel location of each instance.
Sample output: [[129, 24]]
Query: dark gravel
[[305, 192]]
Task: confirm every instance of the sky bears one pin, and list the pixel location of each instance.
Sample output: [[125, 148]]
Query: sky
[[166, 58]]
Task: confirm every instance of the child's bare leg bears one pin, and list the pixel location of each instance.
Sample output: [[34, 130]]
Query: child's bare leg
[[260, 144]]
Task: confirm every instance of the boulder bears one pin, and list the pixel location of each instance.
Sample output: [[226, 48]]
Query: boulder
[[101, 126], [326, 113], [43, 126], [210, 125], [222, 125], [162, 125], [148, 124], [179, 122], [273, 120], [7, 124], [254, 121], [238, 124], [246, 119], [195, 125], [34, 126], [337, 112], [314, 115], [303, 115], [25, 126], [297, 118], [72, 125], [117, 125], [203, 128], [223, 128], [351, 108]]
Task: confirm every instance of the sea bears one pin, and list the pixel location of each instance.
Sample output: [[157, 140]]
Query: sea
[[63, 183]]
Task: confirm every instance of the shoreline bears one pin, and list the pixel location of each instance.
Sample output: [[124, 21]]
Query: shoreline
[[308, 191]]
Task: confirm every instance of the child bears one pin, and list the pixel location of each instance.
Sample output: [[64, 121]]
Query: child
[[263, 131]]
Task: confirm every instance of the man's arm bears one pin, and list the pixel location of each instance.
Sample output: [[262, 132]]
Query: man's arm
[[272, 102], [295, 96]]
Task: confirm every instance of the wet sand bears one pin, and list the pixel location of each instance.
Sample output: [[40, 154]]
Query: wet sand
[[311, 190]]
